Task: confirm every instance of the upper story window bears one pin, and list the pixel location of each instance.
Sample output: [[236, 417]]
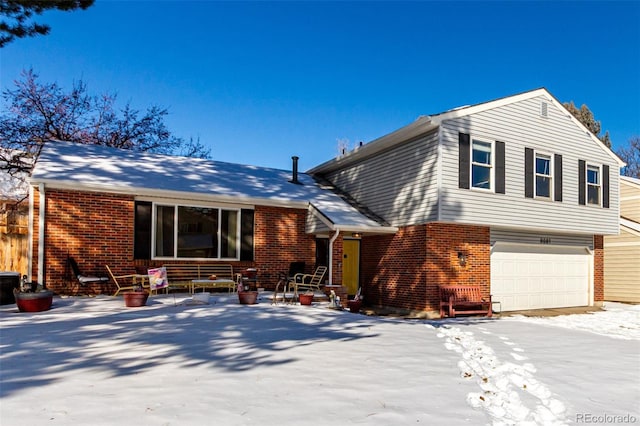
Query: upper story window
[[593, 185], [544, 177], [481, 164]]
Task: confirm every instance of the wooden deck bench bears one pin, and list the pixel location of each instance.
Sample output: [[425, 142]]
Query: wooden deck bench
[[463, 299], [183, 276]]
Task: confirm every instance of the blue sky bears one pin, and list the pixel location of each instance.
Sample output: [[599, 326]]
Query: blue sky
[[261, 81]]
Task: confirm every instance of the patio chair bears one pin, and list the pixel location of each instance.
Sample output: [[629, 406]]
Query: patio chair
[[294, 269], [133, 278], [311, 282], [282, 286], [84, 279]]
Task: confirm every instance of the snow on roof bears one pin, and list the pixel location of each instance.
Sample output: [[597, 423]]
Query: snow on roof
[[630, 179], [99, 168]]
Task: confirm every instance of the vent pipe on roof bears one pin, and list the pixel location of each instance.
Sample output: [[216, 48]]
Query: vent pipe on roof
[[294, 177]]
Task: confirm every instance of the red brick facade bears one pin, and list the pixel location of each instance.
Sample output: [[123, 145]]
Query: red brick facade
[[404, 270], [598, 268], [279, 239], [97, 229]]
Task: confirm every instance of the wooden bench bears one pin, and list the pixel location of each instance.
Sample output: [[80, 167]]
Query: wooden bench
[[463, 299], [183, 276]]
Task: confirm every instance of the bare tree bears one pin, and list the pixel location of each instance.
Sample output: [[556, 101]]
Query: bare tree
[[630, 154], [37, 113]]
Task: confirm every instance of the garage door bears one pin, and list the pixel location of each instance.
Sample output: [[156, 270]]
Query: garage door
[[537, 277]]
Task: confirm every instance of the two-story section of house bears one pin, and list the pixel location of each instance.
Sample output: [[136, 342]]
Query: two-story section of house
[[514, 195]]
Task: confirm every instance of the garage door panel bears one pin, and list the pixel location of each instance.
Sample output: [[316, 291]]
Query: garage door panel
[[526, 277]]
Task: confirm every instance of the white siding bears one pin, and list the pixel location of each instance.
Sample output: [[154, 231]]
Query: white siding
[[520, 125], [314, 225], [540, 238], [399, 185]]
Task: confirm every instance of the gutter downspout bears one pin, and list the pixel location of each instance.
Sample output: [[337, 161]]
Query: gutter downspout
[[439, 178], [41, 236], [331, 241], [30, 237]]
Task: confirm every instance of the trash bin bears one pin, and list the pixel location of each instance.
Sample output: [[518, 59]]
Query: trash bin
[[8, 281]]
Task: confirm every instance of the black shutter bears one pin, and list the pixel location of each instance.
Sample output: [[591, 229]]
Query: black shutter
[[142, 230], [246, 234], [528, 172], [464, 157], [582, 170], [500, 168], [557, 177], [605, 186]]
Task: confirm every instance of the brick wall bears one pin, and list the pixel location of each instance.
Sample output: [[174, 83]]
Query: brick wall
[[338, 245], [445, 242], [97, 230], [279, 239], [394, 268], [404, 270], [598, 268]]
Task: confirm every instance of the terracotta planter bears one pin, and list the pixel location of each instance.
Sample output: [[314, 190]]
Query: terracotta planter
[[134, 299], [354, 306], [34, 302], [306, 299], [248, 297]]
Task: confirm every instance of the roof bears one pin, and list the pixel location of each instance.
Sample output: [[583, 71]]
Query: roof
[[630, 224], [69, 165], [428, 123], [630, 180]]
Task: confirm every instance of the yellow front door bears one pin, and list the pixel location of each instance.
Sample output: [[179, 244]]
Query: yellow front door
[[351, 266]]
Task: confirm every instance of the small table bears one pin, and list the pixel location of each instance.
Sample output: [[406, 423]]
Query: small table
[[230, 284]]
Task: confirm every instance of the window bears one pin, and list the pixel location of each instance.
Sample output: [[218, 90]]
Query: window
[[543, 176], [196, 232], [481, 165], [593, 185]]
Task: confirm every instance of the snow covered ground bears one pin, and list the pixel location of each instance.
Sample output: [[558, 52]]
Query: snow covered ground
[[91, 361]]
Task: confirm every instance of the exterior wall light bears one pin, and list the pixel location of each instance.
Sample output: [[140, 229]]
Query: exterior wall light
[[462, 258]]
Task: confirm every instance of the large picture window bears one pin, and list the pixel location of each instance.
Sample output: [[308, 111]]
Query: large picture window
[[481, 165], [196, 232]]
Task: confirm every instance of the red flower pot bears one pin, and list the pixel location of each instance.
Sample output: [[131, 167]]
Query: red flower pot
[[248, 297], [306, 299], [134, 299], [34, 302], [354, 306]]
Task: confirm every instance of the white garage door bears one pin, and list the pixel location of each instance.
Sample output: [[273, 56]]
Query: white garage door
[[537, 277]]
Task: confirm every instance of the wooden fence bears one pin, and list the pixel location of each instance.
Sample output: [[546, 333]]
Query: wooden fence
[[14, 242]]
